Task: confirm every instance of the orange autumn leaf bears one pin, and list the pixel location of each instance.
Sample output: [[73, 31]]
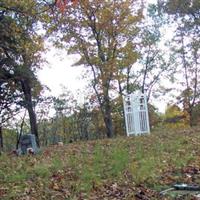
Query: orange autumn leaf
[[62, 4]]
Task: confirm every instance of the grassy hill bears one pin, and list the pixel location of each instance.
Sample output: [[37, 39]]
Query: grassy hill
[[122, 168]]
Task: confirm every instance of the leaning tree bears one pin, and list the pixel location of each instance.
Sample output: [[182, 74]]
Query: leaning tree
[[20, 54]]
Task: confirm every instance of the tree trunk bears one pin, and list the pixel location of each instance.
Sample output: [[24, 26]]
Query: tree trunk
[[108, 119], [190, 117], [123, 114], [29, 106], [1, 140]]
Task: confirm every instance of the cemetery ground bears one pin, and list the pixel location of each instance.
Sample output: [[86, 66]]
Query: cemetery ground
[[137, 167]]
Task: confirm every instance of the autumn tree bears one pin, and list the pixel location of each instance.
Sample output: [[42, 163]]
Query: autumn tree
[[185, 17], [155, 63], [20, 50], [175, 117], [102, 33]]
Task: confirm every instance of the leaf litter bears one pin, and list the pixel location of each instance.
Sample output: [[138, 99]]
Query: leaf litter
[[92, 170]]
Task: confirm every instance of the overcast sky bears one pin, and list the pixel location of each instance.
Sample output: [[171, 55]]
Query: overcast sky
[[59, 71]]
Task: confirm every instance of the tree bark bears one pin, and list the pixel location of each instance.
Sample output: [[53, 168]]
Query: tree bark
[[29, 106], [190, 112], [108, 119]]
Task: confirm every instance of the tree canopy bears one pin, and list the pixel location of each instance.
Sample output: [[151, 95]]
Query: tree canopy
[[104, 35]]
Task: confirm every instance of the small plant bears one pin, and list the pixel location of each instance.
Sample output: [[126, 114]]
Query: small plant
[[56, 163], [119, 160], [2, 175], [88, 176], [92, 169], [17, 177], [41, 171], [143, 169], [98, 159]]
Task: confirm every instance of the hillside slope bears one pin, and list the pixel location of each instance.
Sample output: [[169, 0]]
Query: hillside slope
[[122, 168]]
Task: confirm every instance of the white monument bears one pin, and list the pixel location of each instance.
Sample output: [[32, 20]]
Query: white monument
[[136, 114]]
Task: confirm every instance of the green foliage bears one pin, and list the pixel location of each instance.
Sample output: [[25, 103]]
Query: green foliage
[[155, 117], [175, 117], [196, 114], [185, 17], [10, 139]]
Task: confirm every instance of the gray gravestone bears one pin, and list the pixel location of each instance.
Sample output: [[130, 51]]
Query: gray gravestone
[[28, 141]]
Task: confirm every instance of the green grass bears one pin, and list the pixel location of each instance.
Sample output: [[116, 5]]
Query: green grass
[[40, 171], [56, 163], [119, 160], [86, 168]]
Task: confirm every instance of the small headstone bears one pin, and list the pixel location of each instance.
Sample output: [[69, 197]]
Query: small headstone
[[27, 142]]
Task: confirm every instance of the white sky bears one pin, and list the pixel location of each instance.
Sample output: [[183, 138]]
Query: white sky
[[59, 71]]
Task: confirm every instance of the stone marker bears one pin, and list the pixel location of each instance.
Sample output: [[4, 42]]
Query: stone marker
[[28, 142]]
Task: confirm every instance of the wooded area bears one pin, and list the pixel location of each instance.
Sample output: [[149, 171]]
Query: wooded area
[[124, 48]]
